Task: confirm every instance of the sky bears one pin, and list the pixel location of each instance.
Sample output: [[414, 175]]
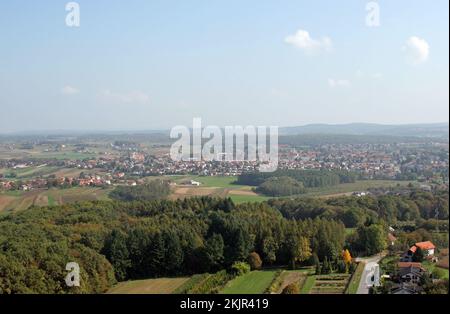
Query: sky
[[147, 64]]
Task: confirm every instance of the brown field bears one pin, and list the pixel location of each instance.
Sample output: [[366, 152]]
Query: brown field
[[443, 259], [443, 263], [21, 201], [41, 200], [148, 286], [5, 201], [181, 192], [242, 192], [65, 196]]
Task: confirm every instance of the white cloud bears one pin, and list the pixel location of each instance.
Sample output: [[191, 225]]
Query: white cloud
[[69, 90], [133, 97], [303, 41], [339, 83], [417, 50]]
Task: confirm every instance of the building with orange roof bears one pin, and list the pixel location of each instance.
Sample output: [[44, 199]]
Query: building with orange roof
[[409, 264], [427, 247]]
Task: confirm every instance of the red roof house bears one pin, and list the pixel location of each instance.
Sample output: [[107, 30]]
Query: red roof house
[[427, 247]]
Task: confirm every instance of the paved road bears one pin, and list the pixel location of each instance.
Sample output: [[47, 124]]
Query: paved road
[[370, 262]]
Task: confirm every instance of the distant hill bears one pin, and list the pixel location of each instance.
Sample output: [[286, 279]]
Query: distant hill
[[420, 130], [435, 130]]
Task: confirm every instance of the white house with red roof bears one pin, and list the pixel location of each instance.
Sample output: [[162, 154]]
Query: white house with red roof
[[427, 247]]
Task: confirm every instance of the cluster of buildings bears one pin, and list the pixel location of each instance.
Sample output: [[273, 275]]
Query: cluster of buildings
[[83, 181], [409, 273], [371, 161]]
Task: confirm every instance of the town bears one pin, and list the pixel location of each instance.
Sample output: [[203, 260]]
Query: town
[[127, 163]]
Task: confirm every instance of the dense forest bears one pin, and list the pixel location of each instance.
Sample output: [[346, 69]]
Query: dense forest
[[127, 240], [152, 190], [114, 241], [281, 186], [294, 182]]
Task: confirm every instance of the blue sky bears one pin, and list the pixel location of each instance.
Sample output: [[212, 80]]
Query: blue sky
[[143, 64]]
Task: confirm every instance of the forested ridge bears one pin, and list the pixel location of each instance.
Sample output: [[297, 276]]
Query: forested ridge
[[114, 241]]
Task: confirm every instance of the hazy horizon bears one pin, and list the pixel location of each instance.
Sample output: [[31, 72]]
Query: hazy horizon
[[151, 65], [156, 130]]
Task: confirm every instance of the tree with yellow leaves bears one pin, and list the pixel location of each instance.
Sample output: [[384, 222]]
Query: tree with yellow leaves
[[346, 256]]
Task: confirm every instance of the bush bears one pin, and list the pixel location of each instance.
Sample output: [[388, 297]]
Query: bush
[[254, 260], [240, 268], [291, 289]]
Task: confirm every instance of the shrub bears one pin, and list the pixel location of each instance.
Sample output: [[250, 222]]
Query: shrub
[[240, 268], [291, 289], [254, 260]]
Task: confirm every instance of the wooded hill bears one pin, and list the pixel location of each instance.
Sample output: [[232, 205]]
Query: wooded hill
[[114, 241]]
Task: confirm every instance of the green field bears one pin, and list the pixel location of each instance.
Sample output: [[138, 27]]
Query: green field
[[255, 282], [223, 186], [307, 286], [248, 198], [348, 188], [63, 155], [217, 181], [30, 172], [148, 286]]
